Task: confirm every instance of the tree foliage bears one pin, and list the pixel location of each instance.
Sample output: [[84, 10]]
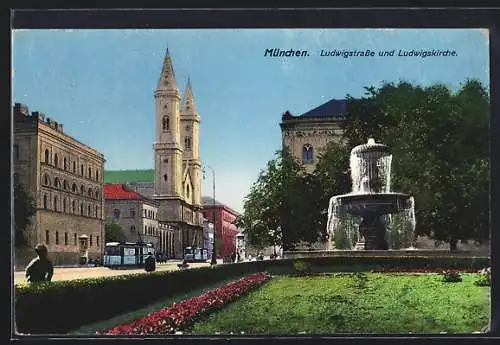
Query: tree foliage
[[24, 210], [114, 232]]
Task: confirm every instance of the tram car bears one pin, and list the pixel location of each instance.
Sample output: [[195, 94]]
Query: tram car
[[195, 254], [126, 254]]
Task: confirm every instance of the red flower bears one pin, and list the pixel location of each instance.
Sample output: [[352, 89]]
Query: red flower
[[171, 319]]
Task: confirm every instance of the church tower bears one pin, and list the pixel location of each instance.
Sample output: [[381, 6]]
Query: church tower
[[167, 147], [190, 129]]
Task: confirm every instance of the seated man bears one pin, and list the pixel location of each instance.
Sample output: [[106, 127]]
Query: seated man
[[40, 269]]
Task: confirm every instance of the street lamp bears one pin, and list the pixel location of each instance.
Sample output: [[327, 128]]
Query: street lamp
[[214, 258]]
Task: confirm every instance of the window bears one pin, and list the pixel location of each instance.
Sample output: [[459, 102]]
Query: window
[[47, 156], [56, 160], [166, 123], [90, 193], [307, 154], [96, 211], [97, 240], [132, 229], [132, 213], [74, 167], [65, 185], [45, 202], [97, 196], [64, 205], [16, 152], [187, 143], [73, 207], [97, 175], [145, 229], [57, 183], [46, 180], [65, 163], [116, 213], [55, 203], [188, 191], [81, 169], [65, 238], [145, 214], [90, 241], [74, 188], [74, 239], [165, 177], [88, 210], [82, 189], [57, 237], [81, 208], [90, 172], [47, 237]]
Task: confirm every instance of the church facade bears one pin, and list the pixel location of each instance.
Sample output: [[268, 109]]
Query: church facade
[[308, 134], [177, 165]]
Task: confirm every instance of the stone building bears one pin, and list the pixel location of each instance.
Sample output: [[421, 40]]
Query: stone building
[[65, 178], [138, 217], [175, 181], [307, 135], [223, 218]]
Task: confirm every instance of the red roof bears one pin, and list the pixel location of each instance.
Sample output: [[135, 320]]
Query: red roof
[[117, 191]]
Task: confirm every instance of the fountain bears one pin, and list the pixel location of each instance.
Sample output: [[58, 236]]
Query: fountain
[[371, 217]]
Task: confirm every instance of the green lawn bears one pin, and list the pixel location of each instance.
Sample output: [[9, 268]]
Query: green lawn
[[343, 303]]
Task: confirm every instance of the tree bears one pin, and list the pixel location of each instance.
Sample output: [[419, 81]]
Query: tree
[[440, 148], [114, 232], [24, 209]]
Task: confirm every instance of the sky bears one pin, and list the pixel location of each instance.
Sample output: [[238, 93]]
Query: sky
[[100, 84]]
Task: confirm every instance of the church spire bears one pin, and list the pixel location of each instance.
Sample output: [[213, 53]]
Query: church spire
[[188, 104], [167, 76]]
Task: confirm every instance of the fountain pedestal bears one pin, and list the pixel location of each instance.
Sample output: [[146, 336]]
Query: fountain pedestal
[[373, 231]]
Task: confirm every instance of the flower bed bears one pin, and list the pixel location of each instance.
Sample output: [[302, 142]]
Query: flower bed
[[171, 319], [422, 270]]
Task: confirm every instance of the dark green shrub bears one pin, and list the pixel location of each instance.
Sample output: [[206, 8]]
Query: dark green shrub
[[301, 268], [451, 276], [483, 277]]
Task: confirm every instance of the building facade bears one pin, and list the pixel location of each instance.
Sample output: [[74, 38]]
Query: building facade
[[65, 178], [208, 236], [223, 217], [308, 134], [138, 218]]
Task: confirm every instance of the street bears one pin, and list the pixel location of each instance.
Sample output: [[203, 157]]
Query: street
[[71, 273]]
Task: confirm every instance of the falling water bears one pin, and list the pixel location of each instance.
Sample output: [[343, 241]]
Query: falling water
[[371, 176]]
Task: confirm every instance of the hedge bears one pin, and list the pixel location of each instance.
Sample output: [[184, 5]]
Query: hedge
[[61, 306]]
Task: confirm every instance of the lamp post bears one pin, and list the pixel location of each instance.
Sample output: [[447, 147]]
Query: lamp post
[[214, 256]]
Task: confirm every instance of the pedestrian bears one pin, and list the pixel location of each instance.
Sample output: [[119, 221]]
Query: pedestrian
[[150, 263], [40, 269], [233, 257]]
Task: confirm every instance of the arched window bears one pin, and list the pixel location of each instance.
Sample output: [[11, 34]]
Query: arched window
[[65, 163], [74, 188], [65, 238], [74, 239], [96, 211], [57, 183], [165, 177], [45, 202], [90, 242], [46, 180], [96, 193], [97, 175], [55, 203], [64, 205], [57, 237], [74, 167], [56, 160], [90, 172], [90, 193], [65, 185], [188, 191], [97, 240], [82, 189], [132, 229], [81, 208], [307, 154], [145, 229], [81, 169], [47, 156], [47, 237], [73, 207], [187, 143], [88, 211], [166, 123]]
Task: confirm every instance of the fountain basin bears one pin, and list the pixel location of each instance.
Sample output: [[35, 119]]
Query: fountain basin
[[361, 204]]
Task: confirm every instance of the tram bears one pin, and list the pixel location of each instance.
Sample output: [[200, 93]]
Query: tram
[[195, 254], [126, 254]]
